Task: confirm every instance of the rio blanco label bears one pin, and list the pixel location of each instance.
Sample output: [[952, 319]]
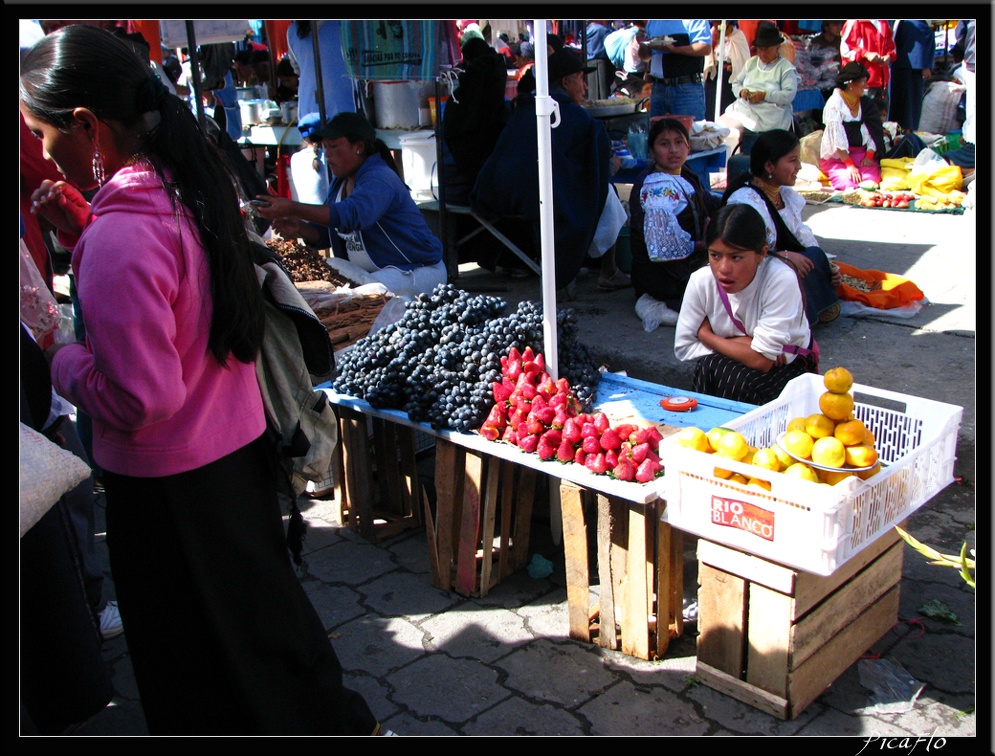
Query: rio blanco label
[[739, 514]]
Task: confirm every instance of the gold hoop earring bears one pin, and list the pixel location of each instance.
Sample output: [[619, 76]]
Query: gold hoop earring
[[99, 173]]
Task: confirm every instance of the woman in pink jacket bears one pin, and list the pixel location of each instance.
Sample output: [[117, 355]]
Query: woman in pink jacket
[[223, 639]]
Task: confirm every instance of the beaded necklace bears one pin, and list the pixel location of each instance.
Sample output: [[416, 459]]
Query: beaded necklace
[[773, 193]]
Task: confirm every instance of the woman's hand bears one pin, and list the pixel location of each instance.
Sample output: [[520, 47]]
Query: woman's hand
[[272, 207], [62, 205], [801, 263], [854, 173], [868, 161], [756, 97], [289, 228], [837, 278]]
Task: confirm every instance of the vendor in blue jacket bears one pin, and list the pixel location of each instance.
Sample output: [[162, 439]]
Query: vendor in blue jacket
[[368, 217]]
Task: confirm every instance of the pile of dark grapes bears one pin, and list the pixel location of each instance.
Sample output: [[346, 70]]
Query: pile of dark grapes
[[437, 362]]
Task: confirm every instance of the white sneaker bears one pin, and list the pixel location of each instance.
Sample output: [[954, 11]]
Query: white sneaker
[[110, 621]]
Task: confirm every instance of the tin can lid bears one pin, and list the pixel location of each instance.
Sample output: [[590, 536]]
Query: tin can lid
[[679, 403]]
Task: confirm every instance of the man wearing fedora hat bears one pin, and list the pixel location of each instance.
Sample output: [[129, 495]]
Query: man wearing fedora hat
[[765, 87]]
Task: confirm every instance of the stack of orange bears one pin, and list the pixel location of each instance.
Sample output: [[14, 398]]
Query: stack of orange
[[832, 437]]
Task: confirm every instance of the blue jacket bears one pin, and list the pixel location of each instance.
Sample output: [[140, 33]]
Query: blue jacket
[[915, 45], [394, 230]]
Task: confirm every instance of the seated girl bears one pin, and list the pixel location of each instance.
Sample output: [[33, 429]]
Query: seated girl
[[668, 211], [774, 164], [369, 217], [743, 318]]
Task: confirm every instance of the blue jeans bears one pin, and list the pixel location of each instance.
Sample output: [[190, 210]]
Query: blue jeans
[[818, 285], [683, 99]]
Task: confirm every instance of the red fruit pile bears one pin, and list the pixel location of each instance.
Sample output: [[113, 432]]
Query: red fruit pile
[[542, 416]]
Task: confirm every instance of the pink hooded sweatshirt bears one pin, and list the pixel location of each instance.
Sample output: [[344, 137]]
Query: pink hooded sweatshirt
[[161, 403]]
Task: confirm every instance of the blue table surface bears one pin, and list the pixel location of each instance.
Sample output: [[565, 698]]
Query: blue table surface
[[619, 396], [623, 399]]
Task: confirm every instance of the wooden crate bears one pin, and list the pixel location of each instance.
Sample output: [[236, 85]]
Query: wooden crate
[[776, 638], [640, 571], [480, 532], [376, 476]]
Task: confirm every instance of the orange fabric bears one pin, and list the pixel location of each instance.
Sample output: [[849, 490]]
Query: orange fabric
[[276, 38], [895, 291]]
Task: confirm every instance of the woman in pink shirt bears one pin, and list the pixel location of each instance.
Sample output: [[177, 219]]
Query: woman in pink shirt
[[212, 609]]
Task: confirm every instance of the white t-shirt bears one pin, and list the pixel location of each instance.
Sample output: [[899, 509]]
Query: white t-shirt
[[770, 308]]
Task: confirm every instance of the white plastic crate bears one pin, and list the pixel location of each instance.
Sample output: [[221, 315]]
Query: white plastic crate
[[811, 526]]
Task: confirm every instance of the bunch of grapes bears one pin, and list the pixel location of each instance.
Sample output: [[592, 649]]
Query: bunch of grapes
[[438, 361]]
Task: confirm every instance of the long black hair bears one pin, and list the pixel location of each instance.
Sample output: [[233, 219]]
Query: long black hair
[[770, 146], [738, 226], [84, 66]]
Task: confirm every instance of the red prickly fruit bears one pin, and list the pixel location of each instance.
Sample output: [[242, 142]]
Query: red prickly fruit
[[646, 471], [528, 443], [610, 440], [625, 469], [601, 422], [591, 445], [544, 449], [596, 463], [639, 452]]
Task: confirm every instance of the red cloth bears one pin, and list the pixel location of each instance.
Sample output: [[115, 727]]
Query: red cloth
[[35, 168], [861, 37]]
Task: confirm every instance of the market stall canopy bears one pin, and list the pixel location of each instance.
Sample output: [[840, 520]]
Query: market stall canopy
[[174, 31], [399, 50]]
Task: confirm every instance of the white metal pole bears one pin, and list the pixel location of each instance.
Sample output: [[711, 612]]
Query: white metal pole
[[720, 70], [547, 118]]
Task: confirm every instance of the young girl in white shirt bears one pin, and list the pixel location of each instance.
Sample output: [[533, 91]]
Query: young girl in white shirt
[[743, 317]]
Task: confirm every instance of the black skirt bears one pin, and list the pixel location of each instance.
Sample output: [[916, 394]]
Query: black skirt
[[223, 638]]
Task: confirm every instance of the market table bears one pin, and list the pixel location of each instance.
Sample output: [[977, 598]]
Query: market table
[[640, 557]]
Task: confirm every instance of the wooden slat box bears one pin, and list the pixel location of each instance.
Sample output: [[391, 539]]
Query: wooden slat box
[[480, 532], [376, 476], [776, 638], [640, 564]]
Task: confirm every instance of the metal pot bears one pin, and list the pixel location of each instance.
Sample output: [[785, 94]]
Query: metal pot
[[252, 111], [289, 111]]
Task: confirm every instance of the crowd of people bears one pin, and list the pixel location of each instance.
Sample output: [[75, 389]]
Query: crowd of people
[[111, 152]]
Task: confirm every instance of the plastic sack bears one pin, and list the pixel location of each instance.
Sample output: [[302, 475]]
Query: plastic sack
[[895, 174], [894, 690], [859, 310], [47, 471], [893, 292], [939, 107], [39, 310], [936, 181], [654, 313]]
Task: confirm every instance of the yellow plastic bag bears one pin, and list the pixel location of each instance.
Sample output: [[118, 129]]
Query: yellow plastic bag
[[942, 179], [895, 174]]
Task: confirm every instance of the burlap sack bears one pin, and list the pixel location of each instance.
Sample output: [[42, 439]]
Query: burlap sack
[[47, 472]]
